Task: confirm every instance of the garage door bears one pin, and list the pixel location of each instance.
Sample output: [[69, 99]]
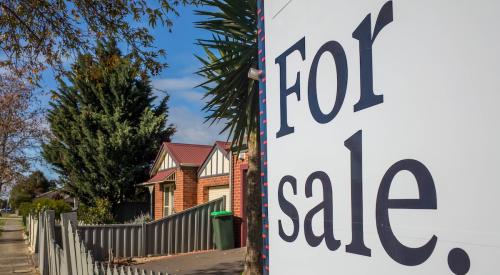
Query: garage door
[[217, 192]]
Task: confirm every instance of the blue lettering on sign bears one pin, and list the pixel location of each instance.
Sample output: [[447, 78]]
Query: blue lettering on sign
[[458, 259]]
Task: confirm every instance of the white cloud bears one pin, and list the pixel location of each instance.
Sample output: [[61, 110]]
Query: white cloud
[[183, 88], [192, 129], [188, 119], [191, 95], [176, 84]]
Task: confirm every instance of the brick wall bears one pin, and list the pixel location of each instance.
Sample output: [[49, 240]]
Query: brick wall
[[185, 188], [238, 178], [204, 183], [240, 230], [158, 201], [185, 191]]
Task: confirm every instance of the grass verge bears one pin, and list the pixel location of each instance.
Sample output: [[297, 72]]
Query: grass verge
[[2, 223]]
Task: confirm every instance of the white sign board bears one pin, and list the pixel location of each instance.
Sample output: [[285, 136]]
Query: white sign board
[[383, 133]]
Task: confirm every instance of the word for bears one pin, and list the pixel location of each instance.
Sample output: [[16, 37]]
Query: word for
[[458, 260]]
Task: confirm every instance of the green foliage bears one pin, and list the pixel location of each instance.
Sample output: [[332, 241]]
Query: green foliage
[[28, 188], [233, 97], [143, 218], [106, 130], [41, 33], [98, 214], [230, 53], [25, 208], [20, 195], [42, 204], [3, 203]]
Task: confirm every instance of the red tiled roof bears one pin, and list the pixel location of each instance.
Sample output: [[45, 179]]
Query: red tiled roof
[[226, 146], [193, 154], [161, 175]]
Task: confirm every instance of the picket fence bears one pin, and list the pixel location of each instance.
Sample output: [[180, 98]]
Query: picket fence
[[70, 249], [186, 231], [32, 228], [72, 258]]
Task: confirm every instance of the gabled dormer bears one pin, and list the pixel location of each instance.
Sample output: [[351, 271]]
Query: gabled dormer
[[217, 163], [177, 155], [167, 162], [164, 160]]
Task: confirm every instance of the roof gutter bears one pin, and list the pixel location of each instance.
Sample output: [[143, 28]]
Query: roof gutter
[[145, 183], [189, 165]]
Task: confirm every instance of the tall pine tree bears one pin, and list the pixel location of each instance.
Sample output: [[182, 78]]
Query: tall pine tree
[[105, 128]]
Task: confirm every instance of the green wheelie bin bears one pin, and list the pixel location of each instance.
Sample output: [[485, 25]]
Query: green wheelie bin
[[223, 234]]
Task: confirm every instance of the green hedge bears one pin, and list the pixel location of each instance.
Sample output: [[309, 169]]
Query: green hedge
[[100, 213], [38, 205]]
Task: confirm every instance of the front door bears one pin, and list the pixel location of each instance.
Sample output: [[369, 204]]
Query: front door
[[168, 199]]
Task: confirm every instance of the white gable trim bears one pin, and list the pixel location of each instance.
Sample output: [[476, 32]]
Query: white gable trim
[[167, 162], [164, 162], [216, 164]]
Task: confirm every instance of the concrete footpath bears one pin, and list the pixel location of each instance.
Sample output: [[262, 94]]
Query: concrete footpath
[[225, 262], [14, 254]]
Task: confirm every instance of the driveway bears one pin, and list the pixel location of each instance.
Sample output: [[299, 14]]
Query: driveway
[[212, 262], [14, 254]]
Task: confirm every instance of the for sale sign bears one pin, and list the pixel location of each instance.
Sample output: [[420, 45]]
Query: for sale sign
[[383, 135]]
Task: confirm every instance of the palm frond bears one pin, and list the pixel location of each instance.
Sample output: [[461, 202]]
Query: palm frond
[[229, 55]]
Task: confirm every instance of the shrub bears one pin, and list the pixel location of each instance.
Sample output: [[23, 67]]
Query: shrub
[[42, 204], [143, 218], [59, 206], [98, 214], [25, 208]]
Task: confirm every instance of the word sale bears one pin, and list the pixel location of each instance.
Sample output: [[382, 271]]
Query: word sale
[[458, 259]]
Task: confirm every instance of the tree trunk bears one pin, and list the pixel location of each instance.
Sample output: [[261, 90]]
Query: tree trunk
[[253, 207]]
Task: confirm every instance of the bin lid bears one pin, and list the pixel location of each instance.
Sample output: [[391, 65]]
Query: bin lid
[[216, 214]]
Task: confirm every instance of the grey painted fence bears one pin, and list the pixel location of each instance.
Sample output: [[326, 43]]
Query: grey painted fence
[[116, 240], [72, 258], [186, 231]]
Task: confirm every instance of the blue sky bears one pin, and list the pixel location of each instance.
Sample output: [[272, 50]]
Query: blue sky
[[178, 80]]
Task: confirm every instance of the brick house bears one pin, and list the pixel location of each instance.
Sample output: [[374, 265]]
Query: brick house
[[185, 175], [174, 177]]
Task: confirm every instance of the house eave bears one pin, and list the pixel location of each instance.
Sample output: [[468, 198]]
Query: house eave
[[189, 165]]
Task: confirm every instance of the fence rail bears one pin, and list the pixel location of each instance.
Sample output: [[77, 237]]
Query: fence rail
[[186, 231]]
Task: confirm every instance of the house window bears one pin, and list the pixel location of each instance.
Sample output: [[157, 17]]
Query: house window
[[168, 200]]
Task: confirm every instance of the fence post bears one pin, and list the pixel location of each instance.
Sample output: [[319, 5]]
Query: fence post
[[144, 240], [42, 241], [36, 234], [31, 229], [29, 226], [66, 218], [48, 230], [72, 249]]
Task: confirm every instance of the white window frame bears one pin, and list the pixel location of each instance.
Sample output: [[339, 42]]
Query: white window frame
[[168, 196]]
